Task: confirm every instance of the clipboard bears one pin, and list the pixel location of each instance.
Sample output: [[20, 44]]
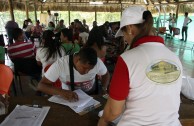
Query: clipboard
[[26, 116], [89, 108]]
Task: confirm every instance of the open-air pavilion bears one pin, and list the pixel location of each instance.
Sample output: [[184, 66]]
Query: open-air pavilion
[[62, 115]]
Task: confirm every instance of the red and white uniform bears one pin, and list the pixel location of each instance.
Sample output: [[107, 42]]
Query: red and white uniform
[[60, 69], [149, 78], [21, 50]]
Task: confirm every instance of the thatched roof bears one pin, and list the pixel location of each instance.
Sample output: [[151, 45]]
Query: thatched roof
[[83, 5]]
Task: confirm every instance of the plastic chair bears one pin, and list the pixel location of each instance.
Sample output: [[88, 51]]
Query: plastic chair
[[6, 78], [26, 67]]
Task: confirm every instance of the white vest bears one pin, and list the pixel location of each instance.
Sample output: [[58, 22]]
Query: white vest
[[155, 75]]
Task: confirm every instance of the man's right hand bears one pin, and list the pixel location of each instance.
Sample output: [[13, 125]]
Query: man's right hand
[[69, 95]]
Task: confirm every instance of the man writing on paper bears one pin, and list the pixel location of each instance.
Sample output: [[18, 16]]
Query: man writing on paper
[[86, 66]]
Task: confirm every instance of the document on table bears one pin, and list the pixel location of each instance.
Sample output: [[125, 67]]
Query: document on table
[[24, 115], [85, 103], [83, 99], [90, 105]]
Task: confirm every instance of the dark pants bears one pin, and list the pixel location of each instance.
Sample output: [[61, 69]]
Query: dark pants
[[10, 35], [170, 28], [184, 29]]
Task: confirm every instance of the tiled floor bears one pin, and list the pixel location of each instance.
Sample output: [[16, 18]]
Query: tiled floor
[[184, 50]]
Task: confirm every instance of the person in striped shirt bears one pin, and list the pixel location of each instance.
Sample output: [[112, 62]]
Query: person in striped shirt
[[20, 49]]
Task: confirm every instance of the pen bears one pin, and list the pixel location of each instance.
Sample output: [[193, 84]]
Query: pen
[[36, 106], [25, 117]]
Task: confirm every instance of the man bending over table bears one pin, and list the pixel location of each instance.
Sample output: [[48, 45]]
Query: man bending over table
[[86, 66]]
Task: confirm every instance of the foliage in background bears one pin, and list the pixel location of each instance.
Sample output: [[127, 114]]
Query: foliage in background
[[20, 16]]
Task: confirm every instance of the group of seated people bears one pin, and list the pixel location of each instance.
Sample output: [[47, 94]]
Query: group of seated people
[[54, 52]]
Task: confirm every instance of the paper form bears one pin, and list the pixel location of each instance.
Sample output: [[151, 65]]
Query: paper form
[[26, 116], [83, 99]]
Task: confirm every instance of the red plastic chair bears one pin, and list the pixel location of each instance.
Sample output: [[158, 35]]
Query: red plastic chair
[[57, 83], [6, 78]]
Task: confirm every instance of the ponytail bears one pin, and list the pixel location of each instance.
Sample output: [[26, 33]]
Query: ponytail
[[52, 44], [145, 28]]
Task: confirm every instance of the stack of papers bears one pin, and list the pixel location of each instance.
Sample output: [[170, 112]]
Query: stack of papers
[[26, 116], [85, 102]]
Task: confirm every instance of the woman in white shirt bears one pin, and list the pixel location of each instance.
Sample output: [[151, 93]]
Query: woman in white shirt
[[51, 50]]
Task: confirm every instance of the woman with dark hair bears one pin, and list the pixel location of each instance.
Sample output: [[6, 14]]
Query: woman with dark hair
[[51, 26], [51, 50], [67, 43], [96, 41], [25, 24], [146, 83]]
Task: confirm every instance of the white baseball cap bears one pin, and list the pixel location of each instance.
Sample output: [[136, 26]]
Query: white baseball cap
[[131, 15]]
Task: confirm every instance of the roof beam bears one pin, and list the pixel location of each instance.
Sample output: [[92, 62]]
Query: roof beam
[[116, 2], [167, 1]]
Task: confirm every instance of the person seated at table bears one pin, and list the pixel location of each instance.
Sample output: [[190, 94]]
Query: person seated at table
[[83, 36], [20, 49], [96, 41], [51, 50], [36, 31], [60, 26], [86, 26], [25, 24], [67, 42], [86, 66], [28, 30], [51, 26], [10, 25], [2, 55]]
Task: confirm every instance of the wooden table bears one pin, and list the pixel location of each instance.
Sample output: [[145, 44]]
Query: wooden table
[[60, 115]]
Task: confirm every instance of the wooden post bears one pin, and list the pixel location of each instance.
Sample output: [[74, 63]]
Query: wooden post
[[121, 9], [26, 8], [11, 10], [41, 8], [95, 14], [69, 13], [177, 11], [35, 14]]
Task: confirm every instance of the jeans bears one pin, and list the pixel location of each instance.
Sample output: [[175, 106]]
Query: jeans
[[184, 29]]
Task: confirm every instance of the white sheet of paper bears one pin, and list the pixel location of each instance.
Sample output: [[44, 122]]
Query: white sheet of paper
[[83, 99], [91, 103], [26, 116]]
